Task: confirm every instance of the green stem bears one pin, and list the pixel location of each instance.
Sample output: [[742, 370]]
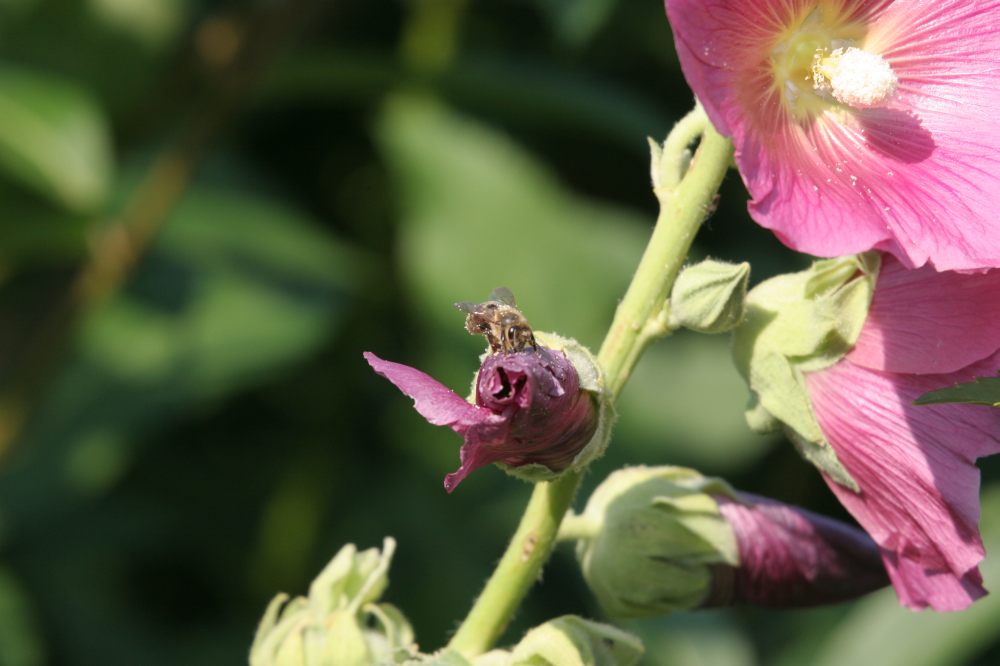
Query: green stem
[[682, 210], [575, 528]]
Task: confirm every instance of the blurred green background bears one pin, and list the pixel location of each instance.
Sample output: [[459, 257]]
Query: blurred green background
[[208, 210]]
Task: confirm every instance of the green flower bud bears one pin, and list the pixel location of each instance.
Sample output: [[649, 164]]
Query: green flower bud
[[565, 641], [653, 540], [340, 621], [572, 641], [709, 297], [650, 537]]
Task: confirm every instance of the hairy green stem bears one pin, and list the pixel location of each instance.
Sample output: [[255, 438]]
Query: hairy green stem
[[683, 207]]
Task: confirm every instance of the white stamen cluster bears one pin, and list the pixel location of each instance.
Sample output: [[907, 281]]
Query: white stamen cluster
[[855, 77]]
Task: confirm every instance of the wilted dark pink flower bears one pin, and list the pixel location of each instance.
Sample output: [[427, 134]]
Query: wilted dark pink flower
[[915, 465], [790, 557], [857, 124], [529, 410]]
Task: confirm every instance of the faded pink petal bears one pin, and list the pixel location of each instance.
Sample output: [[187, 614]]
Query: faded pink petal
[[919, 486], [790, 557], [925, 322], [918, 176], [433, 400]]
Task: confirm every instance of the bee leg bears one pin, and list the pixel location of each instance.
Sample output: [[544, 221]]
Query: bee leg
[[494, 343]]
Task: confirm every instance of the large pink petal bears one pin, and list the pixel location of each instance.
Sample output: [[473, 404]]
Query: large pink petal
[[918, 178], [925, 322], [919, 486]]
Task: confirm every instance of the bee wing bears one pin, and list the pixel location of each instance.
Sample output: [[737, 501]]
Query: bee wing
[[467, 308], [504, 295]]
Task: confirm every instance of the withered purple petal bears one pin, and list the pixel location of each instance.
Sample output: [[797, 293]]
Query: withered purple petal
[[433, 400], [790, 557], [538, 391], [529, 410]]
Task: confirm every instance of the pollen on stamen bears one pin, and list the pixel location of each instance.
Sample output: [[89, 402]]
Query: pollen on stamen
[[855, 77]]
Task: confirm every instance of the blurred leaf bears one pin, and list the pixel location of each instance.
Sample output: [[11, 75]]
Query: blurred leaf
[[577, 21], [14, 7], [478, 212], [20, 643], [34, 233], [521, 90], [695, 639], [684, 405], [879, 631], [234, 289], [980, 391], [150, 23], [53, 139]]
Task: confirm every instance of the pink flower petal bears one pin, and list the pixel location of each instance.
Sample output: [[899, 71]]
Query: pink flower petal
[[925, 322], [919, 486], [919, 178], [433, 400], [791, 557]]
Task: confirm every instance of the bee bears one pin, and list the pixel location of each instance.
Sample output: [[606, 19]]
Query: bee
[[498, 318]]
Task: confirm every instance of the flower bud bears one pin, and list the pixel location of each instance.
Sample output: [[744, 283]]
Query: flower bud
[[565, 641], [790, 557], [537, 412], [339, 622], [709, 297], [571, 640], [653, 540]]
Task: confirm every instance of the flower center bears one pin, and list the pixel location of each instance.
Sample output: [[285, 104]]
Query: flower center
[[854, 77], [817, 64]]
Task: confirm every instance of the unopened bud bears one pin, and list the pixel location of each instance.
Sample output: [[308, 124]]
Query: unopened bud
[[571, 640], [653, 540], [340, 621], [709, 297], [790, 557], [655, 534], [565, 641]]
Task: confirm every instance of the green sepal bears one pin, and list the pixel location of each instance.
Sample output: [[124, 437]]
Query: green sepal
[[800, 323], [654, 535], [709, 297], [591, 380]]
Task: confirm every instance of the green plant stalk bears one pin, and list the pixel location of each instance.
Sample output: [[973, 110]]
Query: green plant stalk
[[637, 322]]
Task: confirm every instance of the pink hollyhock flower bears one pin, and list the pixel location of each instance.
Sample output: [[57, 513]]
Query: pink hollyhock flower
[[915, 465], [529, 410], [858, 124]]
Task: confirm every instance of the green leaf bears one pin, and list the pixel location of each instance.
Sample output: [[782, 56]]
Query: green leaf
[[577, 21], [479, 212], [980, 391], [234, 289], [20, 642], [54, 139]]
